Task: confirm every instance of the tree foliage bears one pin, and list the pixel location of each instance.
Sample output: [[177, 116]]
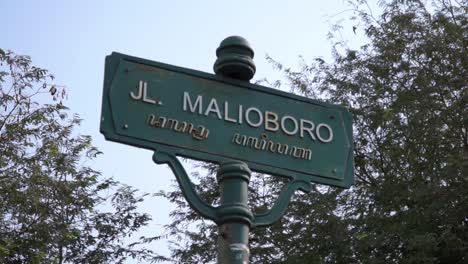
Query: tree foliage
[[54, 208], [407, 90]]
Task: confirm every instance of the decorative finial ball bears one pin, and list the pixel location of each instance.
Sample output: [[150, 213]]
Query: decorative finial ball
[[235, 59]]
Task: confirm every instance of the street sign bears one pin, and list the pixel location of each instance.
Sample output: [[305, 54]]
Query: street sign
[[213, 118]]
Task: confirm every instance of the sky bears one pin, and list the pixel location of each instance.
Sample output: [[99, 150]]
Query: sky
[[72, 38]]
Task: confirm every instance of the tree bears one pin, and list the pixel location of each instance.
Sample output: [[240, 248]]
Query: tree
[[407, 90], [53, 208]]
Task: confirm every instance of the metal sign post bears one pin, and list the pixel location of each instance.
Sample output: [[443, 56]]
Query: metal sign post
[[224, 119]]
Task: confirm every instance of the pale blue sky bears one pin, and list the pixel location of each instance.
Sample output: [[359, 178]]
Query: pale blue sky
[[72, 38]]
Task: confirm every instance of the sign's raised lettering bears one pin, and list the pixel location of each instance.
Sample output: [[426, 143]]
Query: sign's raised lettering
[[254, 117], [274, 147]]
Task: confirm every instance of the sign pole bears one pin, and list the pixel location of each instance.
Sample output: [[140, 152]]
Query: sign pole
[[171, 111], [235, 60], [235, 216]]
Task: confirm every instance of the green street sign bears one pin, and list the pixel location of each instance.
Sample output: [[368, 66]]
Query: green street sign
[[213, 118]]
